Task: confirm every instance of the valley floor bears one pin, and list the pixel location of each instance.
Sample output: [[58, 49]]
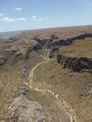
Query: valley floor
[[68, 113], [71, 89]]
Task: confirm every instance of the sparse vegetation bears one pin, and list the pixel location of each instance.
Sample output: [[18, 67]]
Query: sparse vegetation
[[12, 79], [18, 56], [80, 48], [72, 86]]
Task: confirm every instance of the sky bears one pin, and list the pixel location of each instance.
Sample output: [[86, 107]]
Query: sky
[[36, 14]]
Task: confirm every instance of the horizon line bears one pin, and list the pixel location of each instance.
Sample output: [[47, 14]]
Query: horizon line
[[21, 30]]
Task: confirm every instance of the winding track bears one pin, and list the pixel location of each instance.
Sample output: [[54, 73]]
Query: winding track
[[59, 99]]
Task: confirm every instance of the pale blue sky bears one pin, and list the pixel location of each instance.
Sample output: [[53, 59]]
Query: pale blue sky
[[35, 14]]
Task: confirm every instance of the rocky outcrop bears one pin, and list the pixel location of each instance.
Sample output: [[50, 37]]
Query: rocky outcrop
[[37, 47], [52, 41], [24, 110], [4, 57], [74, 63], [82, 36], [2, 60], [53, 52]]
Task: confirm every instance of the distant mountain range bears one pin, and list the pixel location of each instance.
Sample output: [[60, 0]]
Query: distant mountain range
[[11, 33]]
